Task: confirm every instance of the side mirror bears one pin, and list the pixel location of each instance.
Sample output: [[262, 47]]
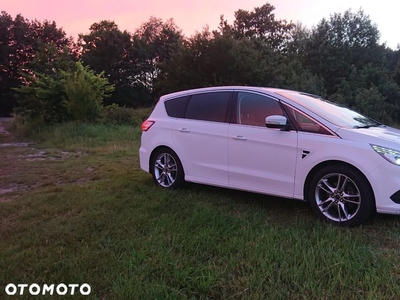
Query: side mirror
[[275, 121]]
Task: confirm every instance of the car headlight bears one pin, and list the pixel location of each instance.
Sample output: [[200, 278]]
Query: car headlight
[[391, 155]]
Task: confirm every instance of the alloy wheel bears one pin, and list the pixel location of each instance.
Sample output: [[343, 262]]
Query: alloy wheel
[[165, 170], [337, 197]]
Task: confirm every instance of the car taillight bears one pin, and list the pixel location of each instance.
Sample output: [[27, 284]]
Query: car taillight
[[147, 124]]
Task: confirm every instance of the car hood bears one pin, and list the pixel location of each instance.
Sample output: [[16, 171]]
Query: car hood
[[382, 135]]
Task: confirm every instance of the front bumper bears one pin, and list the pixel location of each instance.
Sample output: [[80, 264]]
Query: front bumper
[[385, 182]]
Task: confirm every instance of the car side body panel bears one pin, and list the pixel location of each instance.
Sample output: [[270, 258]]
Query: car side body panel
[[203, 147], [262, 159]]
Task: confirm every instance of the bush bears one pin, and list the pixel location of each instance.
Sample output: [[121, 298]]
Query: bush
[[64, 96], [85, 93], [141, 114], [43, 101], [117, 115], [123, 115]]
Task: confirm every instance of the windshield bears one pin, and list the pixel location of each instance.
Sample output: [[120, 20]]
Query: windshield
[[332, 112]]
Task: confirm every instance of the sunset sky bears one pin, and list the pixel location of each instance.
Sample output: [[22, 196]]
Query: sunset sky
[[76, 16]]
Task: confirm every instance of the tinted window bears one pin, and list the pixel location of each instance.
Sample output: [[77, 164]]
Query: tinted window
[[254, 108], [332, 112], [176, 107], [305, 123], [208, 106]]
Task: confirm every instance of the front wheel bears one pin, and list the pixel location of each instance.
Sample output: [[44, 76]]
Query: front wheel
[[167, 169], [341, 195]]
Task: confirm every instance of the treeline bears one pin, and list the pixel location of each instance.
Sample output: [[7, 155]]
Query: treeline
[[47, 76]]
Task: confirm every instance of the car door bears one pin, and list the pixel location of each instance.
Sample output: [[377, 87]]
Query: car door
[[201, 138], [260, 159]]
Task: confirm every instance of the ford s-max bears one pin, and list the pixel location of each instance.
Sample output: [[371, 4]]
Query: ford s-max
[[276, 142]]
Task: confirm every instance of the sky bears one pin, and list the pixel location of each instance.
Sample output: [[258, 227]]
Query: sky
[[76, 16]]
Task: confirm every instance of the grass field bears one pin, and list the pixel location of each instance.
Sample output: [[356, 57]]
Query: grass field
[[76, 208]]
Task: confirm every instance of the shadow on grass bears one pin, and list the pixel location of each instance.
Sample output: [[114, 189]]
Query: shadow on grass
[[248, 198], [277, 209], [239, 203]]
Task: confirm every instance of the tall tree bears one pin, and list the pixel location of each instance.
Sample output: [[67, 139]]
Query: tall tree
[[209, 59], [8, 74], [20, 39], [106, 48], [393, 63], [261, 24], [154, 43], [339, 43]]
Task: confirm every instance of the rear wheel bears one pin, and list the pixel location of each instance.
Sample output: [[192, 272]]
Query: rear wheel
[[167, 169], [341, 195]]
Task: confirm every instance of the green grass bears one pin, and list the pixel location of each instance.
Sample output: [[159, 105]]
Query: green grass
[[86, 212]]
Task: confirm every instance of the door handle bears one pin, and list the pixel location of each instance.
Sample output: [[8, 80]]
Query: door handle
[[239, 138], [184, 130]]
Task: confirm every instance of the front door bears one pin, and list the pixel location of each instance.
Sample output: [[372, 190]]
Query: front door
[[260, 159]]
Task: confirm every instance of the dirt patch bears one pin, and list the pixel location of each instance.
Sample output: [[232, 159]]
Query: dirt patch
[[44, 155], [14, 157], [11, 188], [17, 145], [21, 151]]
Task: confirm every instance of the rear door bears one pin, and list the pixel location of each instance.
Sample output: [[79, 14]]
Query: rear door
[[200, 138]]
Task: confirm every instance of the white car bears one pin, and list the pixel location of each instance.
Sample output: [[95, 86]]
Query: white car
[[276, 142]]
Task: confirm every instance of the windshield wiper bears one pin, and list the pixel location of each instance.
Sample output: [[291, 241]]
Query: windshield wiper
[[366, 126]]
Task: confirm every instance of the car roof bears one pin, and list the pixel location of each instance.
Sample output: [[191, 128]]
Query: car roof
[[285, 95], [265, 90]]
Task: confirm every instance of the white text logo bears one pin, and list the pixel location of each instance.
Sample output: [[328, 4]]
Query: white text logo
[[35, 289]]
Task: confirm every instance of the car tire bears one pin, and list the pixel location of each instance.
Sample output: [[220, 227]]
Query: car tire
[[167, 170], [341, 195]]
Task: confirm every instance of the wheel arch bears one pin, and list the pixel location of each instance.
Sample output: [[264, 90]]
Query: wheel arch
[[153, 153], [323, 164]]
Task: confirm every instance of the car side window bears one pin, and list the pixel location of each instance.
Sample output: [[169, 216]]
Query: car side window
[[305, 123], [208, 106], [176, 107], [252, 109]]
